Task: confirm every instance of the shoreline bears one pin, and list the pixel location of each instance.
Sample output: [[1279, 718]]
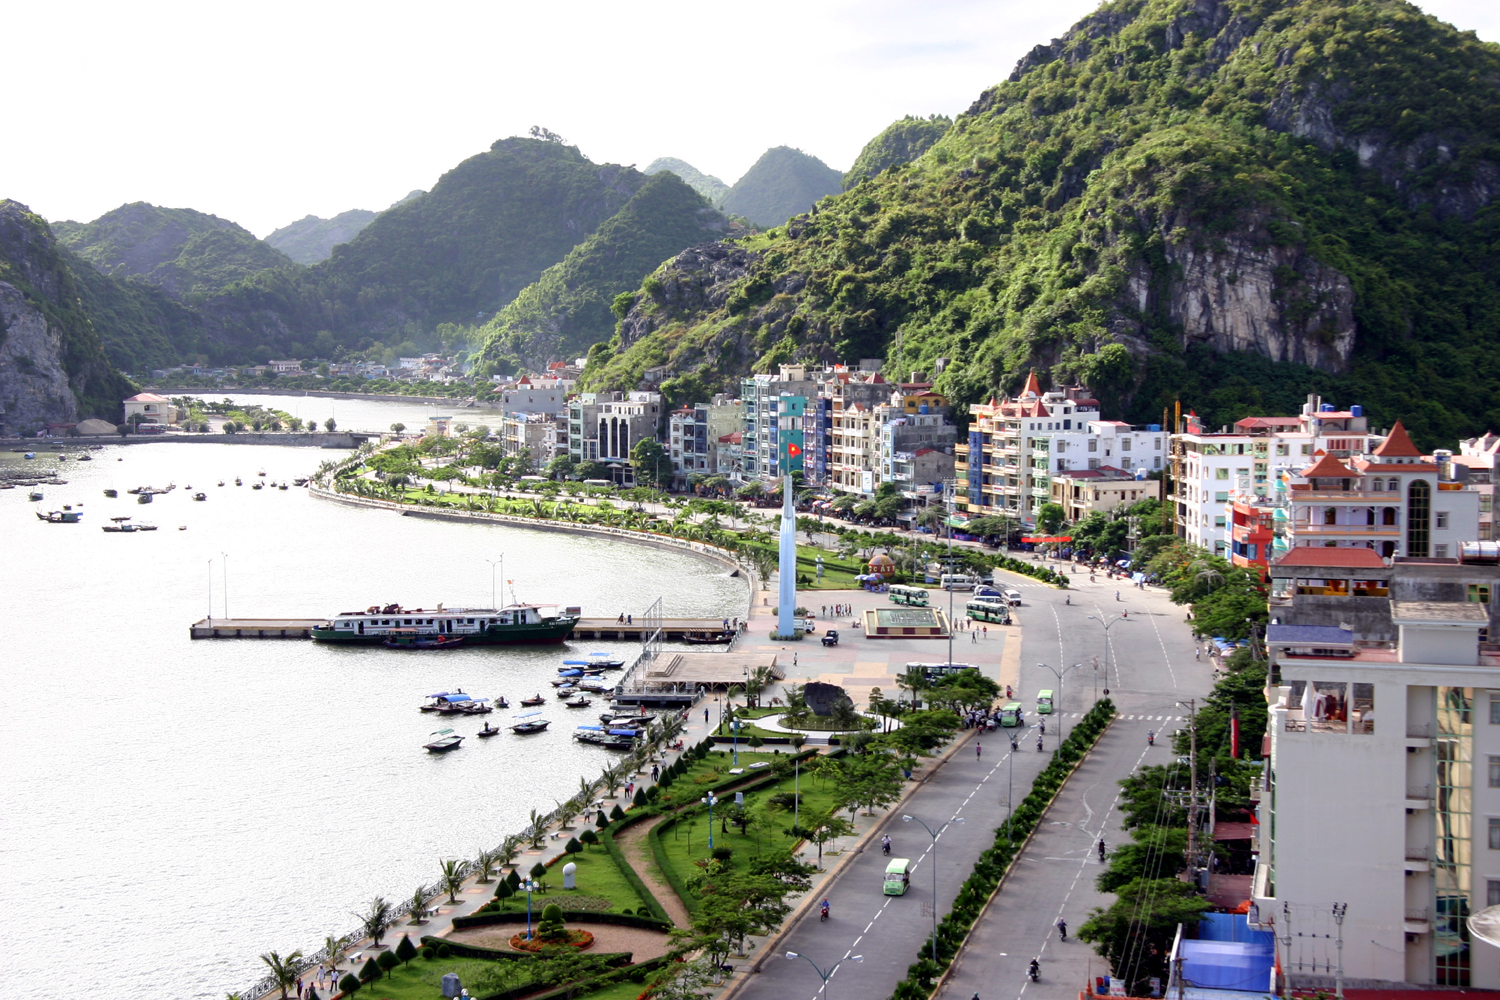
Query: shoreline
[[456, 403]]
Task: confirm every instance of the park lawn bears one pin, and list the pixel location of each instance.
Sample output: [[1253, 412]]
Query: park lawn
[[623, 990], [597, 875], [709, 771], [422, 979], [687, 841]]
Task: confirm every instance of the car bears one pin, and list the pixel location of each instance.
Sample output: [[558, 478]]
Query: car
[[831, 637], [1013, 598]]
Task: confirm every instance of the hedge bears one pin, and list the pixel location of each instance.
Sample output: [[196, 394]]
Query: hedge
[[1032, 569], [992, 865], [623, 969], [577, 916], [607, 838]]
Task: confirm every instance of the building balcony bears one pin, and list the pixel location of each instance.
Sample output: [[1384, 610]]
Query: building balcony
[[1416, 920], [1349, 496], [1419, 796], [1361, 530], [1418, 858]]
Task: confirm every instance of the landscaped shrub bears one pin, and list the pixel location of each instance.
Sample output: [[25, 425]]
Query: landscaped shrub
[[405, 950], [538, 870], [513, 879], [349, 984], [572, 846], [550, 927], [589, 837], [503, 891], [723, 853], [429, 953], [617, 813], [603, 820], [640, 798], [371, 971], [387, 961], [444, 951]]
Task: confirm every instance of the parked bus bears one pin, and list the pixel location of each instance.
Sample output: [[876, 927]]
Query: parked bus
[[900, 594], [988, 611]]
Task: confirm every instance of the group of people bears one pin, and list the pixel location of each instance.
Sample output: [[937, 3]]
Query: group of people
[[839, 610]]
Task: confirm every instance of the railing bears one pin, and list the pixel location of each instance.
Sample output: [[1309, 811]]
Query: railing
[[1349, 495], [1347, 529]]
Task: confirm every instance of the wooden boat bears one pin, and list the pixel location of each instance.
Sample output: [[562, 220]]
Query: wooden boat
[[34, 495], [500, 702], [488, 730], [262, 472], [605, 661], [282, 486], [143, 498], [610, 739], [537, 700], [125, 526], [221, 482], [443, 741], [257, 486], [414, 639], [238, 482], [200, 496], [85, 457], [111, 493], [531, 725], [60, 516], [579, 702]]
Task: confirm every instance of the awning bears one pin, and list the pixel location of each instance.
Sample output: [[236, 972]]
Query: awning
[[1045, 539]]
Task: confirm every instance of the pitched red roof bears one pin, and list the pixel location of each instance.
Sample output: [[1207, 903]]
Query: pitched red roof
[[1323, 555], [1398, 445], [148, 397], [1033, 387], [1329, 467]]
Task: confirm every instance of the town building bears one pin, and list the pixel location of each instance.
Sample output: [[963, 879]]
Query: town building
[[1475, 466], [1081, 492], [439, 427], [604, 426], [762, 395], [286, 367], [694, 434], [1385, 711], [527, 435], [1252, 531], [1015, 446], [149, 408], [529, 397]]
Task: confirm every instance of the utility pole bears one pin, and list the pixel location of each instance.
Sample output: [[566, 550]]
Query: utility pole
[[1339, 909], [1192, 831]]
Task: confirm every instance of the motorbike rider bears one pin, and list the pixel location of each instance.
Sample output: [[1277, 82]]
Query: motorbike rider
[[1151, 737], [885, 844], [1035, 972], [824, 908]]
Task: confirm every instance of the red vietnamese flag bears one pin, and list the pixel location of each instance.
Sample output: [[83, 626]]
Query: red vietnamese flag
[[793, 450]]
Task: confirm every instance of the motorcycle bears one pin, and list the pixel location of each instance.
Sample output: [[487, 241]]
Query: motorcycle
[[1151, 737], [1039, 743], [1035, 972], [823, 914]]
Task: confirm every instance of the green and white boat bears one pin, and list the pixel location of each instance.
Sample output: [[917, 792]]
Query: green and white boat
[[518, 623]]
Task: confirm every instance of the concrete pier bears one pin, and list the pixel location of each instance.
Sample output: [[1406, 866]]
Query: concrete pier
[[301, 628]]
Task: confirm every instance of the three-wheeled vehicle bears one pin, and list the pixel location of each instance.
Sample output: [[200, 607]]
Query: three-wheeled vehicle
[[831, 637], [896, 878], [1011, 715], [1044, 701]]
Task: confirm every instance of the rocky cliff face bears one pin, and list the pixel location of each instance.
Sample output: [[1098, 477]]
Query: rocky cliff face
[[34, 389]]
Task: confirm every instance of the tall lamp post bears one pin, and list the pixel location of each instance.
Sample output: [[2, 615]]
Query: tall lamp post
[[934, 834], [825, 976], [1107, 622], [710, 801], [530, 886], [493, 563], [226, 583], [1062, 727]]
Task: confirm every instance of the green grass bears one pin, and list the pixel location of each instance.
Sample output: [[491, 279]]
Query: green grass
[[710, 771], [625, 990], [422, 979], [687, 840], [597, 875]]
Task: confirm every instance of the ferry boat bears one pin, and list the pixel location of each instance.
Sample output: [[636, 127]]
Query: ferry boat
[[519, 623]]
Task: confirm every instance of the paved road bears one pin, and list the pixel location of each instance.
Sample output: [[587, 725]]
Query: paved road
[[1150, 667]]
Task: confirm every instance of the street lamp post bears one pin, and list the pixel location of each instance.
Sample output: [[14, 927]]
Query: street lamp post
[[530, 886], [493, 563], [225, 588], [734, 726], [1107, 622], [710, 801], [1062, 727], [825, 976], [934, 834]]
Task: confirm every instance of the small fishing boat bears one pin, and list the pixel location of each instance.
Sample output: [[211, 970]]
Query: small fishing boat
[[611, 739], [488, 730], [34, 495], [282, 486], [238, 482], [579, 702], [593, 686], [500, 702], [29, 455], [111, 493], [257, 486], [85, 457], [458, 703], [633, 718], [262, 472], [200, 496], [536, 700], [221, 482], [302, 481], [404, 638], [531, 725], [443, 741], [605, 660], [124, 525], [61, 516], [143, 498], [708, 639]]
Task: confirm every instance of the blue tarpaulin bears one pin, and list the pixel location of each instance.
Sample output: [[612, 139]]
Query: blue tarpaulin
[[1228, 955]]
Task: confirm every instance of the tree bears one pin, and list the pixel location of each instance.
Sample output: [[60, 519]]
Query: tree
[[405, 950], [503, 892], [652, 464], [538, 870], [334, 946], [375, 919], [830, 826], [387, 961], [1050, 517], [350, 984], [419, 906], [330, 425], [398, 427], [589, 837], [590, 470], [560, 467], [573, 846], [1135, 933], [370, 971], [284, 971], [485, 860], [452, 877]]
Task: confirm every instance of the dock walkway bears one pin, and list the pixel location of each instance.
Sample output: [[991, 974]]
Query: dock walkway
[[301, 628]]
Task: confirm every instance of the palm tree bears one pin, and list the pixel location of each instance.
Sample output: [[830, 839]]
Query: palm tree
[[613, 777], [760, 678], [507, 851], [375, 919], [335, 947], [419, 905], [453, 877], [538, 830], [484, 860], [283, 970], [566, 811]]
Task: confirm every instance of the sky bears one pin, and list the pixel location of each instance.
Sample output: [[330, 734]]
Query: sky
[[265, 112]]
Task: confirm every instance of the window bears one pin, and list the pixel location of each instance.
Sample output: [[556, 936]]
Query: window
[[1486, 503], [1125, 444], [1093, 444], [1418, 517], [1492, 892], [1495, 708], [1442, 519], [1440, 551], [1494, 771], [1478, 593], [1221, 473], [1281, 450], [1158, 444], [1494, 834], [1307, 449], [1221, 498]]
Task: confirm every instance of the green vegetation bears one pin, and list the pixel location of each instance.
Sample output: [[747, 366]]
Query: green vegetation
[[900, 142], [1144, 162], [311, 239], [782, 183], [710, 187], [183, 251], [32, 262], [567, 309]]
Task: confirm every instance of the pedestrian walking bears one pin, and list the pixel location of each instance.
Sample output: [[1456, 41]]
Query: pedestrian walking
[[1101, 850], [705, 716], [986, 631], [1117, 595], [1197, 652], [655, 772], [974, 637], [978, 749], [630, 619], [794, 659]]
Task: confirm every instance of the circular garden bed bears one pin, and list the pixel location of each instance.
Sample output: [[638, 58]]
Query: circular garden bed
[[574, 939]]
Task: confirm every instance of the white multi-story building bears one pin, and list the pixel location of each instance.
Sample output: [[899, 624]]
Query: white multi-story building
[[1015, 446], [1375, 834], [762, 395], [527, 397], [694, 434], [1211, 467]]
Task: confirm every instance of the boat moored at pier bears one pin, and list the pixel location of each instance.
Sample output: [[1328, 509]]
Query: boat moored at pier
[[518, 623]]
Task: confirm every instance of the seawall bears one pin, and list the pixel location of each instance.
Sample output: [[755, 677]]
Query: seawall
[[338, 439], [459, 403]]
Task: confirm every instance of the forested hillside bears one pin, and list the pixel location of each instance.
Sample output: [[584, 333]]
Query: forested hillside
[[181, 250], [1162, 203], [709, 186], [900, 142], [567, 310], [311, 239], [783, 182]]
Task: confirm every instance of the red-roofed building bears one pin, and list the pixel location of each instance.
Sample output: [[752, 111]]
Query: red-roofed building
[[149, 408]]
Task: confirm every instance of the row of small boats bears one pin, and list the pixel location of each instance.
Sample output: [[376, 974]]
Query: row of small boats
[[617, 731]]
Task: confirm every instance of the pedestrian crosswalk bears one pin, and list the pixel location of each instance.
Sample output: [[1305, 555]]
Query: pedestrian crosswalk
[[1126, 718]]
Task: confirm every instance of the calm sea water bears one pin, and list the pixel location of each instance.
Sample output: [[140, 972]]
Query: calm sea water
[[168, 808], [360, 414]]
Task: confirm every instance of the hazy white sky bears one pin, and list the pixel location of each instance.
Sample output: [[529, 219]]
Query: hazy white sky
[[263, 113]]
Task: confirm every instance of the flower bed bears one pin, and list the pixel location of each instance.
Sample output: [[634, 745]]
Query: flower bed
[[573, 939]]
